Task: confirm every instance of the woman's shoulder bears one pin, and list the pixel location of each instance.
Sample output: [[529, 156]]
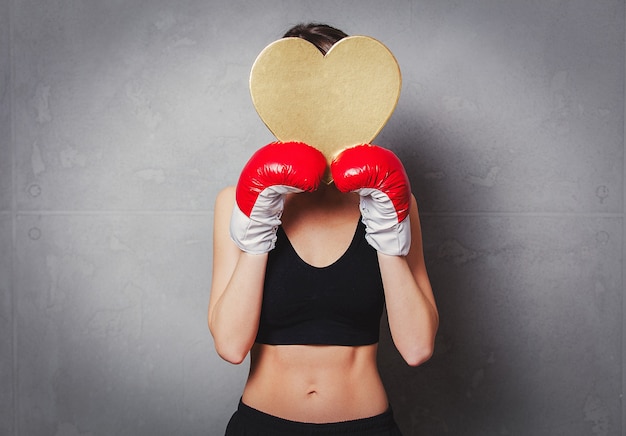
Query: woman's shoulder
[[223, 207], [227, 194]]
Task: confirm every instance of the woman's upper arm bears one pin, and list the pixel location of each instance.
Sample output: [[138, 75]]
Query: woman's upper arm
[[225, 252]]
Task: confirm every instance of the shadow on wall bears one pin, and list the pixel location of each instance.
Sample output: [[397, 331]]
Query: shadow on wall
[[447, 394]]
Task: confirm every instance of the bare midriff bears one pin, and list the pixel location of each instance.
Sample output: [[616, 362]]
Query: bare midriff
[[315, 383]]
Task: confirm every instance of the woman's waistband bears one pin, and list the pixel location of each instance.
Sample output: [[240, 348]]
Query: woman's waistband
[[357, 426]]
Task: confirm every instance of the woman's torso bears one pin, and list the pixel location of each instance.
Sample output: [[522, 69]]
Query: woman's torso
[[317, 383], [310, 383]]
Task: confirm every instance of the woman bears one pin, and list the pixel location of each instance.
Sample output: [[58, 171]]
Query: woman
[[301, 272]]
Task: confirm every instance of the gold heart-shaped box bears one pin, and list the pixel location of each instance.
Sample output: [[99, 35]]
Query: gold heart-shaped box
[[330, 102]]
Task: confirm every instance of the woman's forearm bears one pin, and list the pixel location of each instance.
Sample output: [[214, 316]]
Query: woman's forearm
[[412, 313], [234, 318]]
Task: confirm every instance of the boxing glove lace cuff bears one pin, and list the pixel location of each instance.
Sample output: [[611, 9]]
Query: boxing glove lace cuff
[[256, 234], [384, 232]]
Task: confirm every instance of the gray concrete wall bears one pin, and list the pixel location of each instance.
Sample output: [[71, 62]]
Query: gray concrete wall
[[121, 120]]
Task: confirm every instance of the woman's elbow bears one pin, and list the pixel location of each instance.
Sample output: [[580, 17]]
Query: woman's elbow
[[228, 349], [419, 350], [235, 358], [418, 355], [231, 353]]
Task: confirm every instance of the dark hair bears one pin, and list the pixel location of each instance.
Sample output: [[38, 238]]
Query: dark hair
[[320, 35]]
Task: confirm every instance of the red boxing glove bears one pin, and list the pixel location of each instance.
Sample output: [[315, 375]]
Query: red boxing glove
[[273, 171], [378, 176]]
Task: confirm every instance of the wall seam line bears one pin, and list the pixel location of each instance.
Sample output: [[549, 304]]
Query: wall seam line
[[122, 212]]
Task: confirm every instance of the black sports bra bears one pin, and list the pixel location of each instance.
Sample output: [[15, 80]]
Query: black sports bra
[[340, 304]]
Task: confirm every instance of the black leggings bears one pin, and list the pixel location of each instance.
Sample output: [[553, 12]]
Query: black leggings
[[247, 421]]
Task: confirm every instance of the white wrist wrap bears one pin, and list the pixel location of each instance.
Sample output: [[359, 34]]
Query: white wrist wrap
[[383, 231], [256, 234]]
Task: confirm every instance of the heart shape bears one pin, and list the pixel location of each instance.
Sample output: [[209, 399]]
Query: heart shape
[[330, 102]]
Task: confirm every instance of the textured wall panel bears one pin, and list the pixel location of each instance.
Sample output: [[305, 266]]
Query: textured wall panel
[[513, 107], [124, 119], [134, 106], [530, 337], [112, 326]]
